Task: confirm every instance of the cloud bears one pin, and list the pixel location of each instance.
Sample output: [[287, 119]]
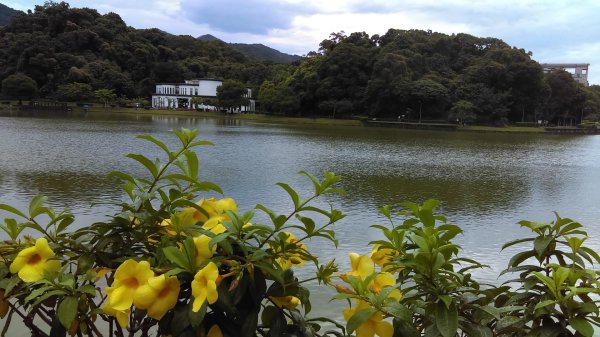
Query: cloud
[[253, 16]]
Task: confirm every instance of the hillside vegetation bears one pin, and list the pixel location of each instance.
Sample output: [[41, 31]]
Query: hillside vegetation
[[410, 75]]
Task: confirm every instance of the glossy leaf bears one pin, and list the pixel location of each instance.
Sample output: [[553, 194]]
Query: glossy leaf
[[359, 318], [67, 310]]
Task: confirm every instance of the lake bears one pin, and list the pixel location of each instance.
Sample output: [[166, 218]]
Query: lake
[[486, 182]]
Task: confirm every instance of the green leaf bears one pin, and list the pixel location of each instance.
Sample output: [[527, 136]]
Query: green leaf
[[12, 228], [582, 326], [515, 242], [146, 162], [292, 194], [446, 319], [508, 321], [520, 257], [176, 256], [359, 318], [540, 244], [544, 304], [12, 210], [67, 311], [477, 330], [122, 176], [158, 143], [426, 217], [36, 206], [192, 161], [314, 180]]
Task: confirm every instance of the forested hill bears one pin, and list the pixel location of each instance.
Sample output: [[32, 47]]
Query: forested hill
[[6, 14], [65, 53], [262, 52], [416, 75], [57, 45], [257, 51]]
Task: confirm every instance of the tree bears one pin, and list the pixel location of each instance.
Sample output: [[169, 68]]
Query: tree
[[463, 112], [277, 97], [564, 105], [105, 95], [429, 94], [231, 94], [73, 92], [19, 86], [196, 101]]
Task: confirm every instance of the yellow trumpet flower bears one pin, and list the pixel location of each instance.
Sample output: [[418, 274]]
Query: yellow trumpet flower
[[158, 296], [383, 257], [362, 266], [203, 250], [31, 262], [375, 325], [204, 286], [383, 280], [291, 259], [287, 302], [129, 277], [122, 316]]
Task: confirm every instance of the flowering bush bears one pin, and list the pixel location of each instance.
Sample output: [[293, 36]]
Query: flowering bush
[[172, 263]]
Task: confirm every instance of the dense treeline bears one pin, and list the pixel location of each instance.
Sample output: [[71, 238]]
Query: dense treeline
[[56, 45], [422, 75], [68, 53]]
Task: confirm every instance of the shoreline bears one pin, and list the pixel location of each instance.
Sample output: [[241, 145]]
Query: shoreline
[[264, 118]]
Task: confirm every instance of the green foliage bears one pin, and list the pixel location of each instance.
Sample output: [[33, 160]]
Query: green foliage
[[105, 96], [161, 226], [554, 296], [74, 92], [56, 45], [19, 86], [231, 94]]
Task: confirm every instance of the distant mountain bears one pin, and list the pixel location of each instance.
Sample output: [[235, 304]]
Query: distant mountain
[[256, 51], [6, 14], [208, 38], [262, 52]]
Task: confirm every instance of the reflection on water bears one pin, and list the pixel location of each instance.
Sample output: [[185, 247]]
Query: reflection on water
[[486, 182]]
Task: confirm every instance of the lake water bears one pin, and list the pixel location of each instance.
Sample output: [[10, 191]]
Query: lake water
[[486, 182]]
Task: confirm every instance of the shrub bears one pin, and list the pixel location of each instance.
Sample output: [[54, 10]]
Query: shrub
[[176, 263]]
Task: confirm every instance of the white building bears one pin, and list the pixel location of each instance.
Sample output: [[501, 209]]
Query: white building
[[179, 95]]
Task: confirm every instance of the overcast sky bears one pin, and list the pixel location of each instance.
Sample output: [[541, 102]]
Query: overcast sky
[[556, 31]]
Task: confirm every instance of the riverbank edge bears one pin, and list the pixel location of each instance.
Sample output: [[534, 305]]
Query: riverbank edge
[[355, 122]]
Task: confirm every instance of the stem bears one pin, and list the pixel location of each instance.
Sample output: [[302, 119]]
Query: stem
[[296, 210]]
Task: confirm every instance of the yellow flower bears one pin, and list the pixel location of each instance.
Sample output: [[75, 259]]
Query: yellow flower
[[287, 302], [122, 316], [375, 325], [214, 207], [31, 262], [291, 259], [383, 257], [214, 224], [383, 280], [129, 277], [203, 250], [362, 266], [3, 304], [204, 286], [214, 331], [158, 296]]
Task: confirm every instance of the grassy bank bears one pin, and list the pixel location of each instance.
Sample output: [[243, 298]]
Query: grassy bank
[[517, 129], [97, 110]]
